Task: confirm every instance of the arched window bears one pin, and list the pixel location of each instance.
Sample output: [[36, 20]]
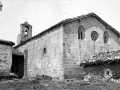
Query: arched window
[[81, 32], [106, 37], [94, 35], [26, 30]]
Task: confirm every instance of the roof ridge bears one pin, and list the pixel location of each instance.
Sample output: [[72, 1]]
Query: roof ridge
[[92, 14]]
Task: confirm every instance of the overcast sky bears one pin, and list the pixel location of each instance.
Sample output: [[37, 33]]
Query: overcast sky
[[42, 14]]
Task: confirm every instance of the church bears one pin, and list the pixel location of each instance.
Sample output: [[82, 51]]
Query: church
[[59, 50]]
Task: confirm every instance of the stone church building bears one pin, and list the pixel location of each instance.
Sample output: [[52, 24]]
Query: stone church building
[[59, 50]]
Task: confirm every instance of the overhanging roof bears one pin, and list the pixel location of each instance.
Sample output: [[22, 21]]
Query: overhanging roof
[[16, 52], [5, 42], [103, 58]]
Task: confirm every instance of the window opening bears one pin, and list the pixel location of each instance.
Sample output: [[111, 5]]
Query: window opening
[[81, 32], [94, 35], [26, 30], [106, 37], [107, 72], [44, 51]]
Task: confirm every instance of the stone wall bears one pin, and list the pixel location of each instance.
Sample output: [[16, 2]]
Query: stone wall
[[60, 52], [77, 50], [88, 50], [45, 54], [5, 58], [100, 70]]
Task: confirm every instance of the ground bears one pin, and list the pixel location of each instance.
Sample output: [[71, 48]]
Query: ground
[[56, 85]]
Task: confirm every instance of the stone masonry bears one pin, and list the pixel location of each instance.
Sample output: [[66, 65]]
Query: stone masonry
[[76, 51], [49, 63], [5, 56], [58, 51]]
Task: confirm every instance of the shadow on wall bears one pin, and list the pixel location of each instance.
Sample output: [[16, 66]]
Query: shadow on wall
[[71, 73]]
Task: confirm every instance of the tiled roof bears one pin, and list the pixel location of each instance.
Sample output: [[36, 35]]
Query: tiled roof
[[102, 58], [25, 23], [7, 42], [67, 21], [16, 52]]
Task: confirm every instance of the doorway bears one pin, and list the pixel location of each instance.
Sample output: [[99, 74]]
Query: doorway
[[18, 65]]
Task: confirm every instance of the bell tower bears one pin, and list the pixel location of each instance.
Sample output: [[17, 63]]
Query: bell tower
[[25, 32]]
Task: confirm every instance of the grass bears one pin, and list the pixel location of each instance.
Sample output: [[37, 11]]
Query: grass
[[57, 85]]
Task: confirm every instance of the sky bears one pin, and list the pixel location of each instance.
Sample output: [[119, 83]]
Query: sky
[[42, 14]]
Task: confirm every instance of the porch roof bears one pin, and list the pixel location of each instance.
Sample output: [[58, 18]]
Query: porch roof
[[103, 58], [16, 52]]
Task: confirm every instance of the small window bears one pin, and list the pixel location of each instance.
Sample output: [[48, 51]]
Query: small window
[[106, 37], [44, 50], [94, 35], [107, 73], [81, 32]]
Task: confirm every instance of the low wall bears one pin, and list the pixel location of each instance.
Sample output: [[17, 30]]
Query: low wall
[[112, 68], [104, 70]]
